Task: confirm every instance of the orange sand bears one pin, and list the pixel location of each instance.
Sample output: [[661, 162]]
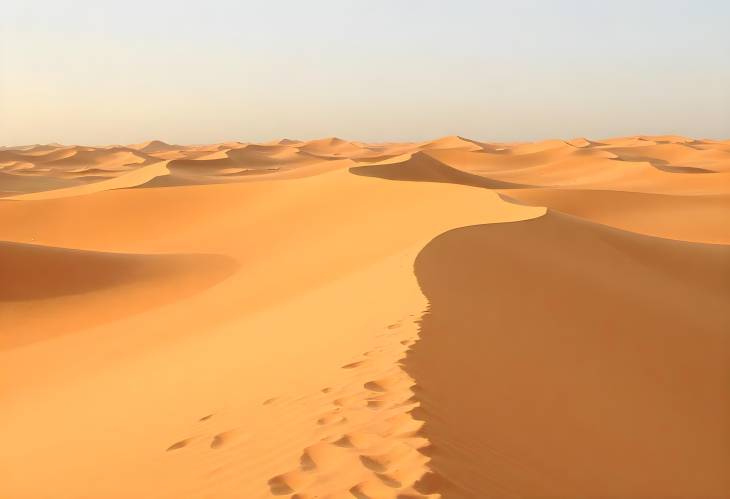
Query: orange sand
[[331, 318]]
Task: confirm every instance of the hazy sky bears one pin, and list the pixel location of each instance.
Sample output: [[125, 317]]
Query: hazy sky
[[101, 72]]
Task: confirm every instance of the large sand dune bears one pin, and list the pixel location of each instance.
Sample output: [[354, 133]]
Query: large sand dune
[[583, 361], [331, 318]]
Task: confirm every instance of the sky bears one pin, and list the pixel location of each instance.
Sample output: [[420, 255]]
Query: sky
[[100, 72]]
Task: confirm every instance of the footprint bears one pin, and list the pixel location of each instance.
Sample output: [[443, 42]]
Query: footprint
[[389, 481], [288, 483], [320, 456], [350, 401], [179, 445], [371, 489], [222, 439], [357, 440], [279, 487], [373, 464], [357, 493], [331, 419], [306, 463], [381, 463], [343, 441], [394, 326], [353, 364], [377, 403], [389, 383], [374, 386], [205, 418], [269, 401]]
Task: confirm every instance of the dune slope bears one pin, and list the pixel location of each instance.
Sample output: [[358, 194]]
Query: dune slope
[[701, 218], [50, 291], [281, 378], [583, 362]]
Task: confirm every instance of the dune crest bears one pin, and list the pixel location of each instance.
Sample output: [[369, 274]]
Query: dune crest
[[155, 146]]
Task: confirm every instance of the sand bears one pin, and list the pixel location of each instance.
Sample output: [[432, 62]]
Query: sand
[[330, 318]]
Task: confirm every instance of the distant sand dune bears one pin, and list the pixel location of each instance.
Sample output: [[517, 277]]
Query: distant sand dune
[[635, 164], [330, 146], [422, 167], [132, 178], [701, 219], [154, 146]]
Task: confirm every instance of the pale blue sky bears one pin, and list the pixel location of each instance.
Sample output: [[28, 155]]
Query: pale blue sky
[[100, 72]]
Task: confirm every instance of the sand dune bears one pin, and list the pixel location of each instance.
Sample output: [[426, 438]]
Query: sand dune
[[571, 382], [153, 146], [332, 146], [128, 179], [12, 183], [702, 219], [559, 164], [421, 167], [453, 142], [331, 318], [50, 291], [114, 157], [656, 165]]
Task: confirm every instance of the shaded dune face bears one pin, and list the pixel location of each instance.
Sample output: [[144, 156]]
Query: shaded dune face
[[41, 285], [702, 219], [423, 168], [32, 272], [561, 358]]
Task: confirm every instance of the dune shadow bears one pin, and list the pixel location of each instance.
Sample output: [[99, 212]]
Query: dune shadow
[[421, 167], [562, 358], [50, 291], [663, 165], [34, 272]]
